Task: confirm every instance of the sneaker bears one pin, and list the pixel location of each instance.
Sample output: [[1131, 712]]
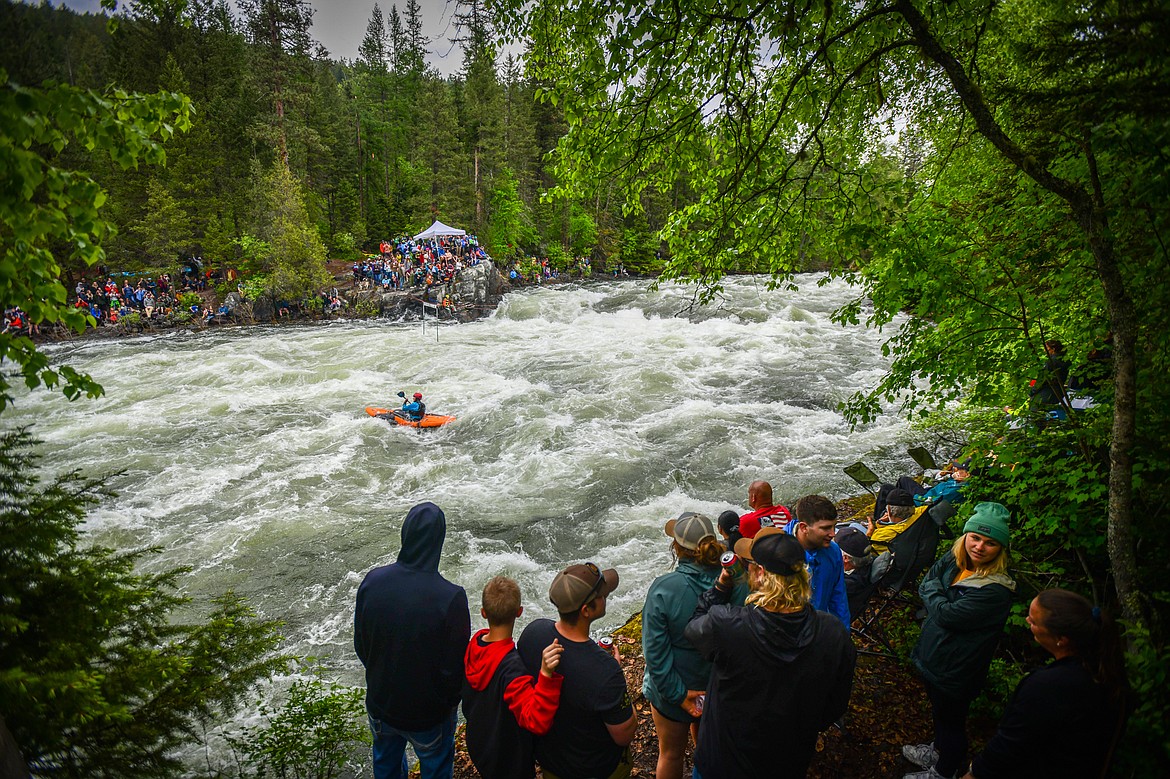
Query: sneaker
[[921, 755], [929, 773]]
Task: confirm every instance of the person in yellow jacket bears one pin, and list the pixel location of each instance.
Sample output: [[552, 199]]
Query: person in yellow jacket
[[900, 514]]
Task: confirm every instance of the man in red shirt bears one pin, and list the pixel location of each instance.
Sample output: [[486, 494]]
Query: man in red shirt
[[763, 513]]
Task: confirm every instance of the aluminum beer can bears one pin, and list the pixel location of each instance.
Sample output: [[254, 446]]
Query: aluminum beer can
[[731, 564]]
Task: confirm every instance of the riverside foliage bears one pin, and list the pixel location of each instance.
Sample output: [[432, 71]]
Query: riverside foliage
[[378, 146], [99, 675], [999, 170]]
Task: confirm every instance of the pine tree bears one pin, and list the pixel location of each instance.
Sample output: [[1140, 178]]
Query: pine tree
[[295, 264], [165, 229], [522, 155], [482, 103], [97, 676], [279, 33]]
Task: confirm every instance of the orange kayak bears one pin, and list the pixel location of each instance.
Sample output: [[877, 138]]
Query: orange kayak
[[396, 416]]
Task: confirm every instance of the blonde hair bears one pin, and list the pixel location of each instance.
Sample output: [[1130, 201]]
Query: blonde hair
[[708, 554], [997, 566], [784, 594]]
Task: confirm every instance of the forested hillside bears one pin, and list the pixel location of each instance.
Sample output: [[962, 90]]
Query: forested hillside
[[377, 147]]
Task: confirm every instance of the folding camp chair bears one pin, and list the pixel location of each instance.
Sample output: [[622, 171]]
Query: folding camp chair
[[861, 474], [924, 459], [913, 551]]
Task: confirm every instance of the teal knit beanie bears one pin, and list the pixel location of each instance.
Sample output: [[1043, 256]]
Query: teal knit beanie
[[991, 520]]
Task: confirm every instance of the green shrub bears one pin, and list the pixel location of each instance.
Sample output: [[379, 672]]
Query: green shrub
[[319, 731], [1148, 668], [257, 286], [529, 268], [367, 307], [345, 247], [558, 258]]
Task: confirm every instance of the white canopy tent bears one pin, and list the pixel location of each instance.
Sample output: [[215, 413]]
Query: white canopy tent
[[438, 229]]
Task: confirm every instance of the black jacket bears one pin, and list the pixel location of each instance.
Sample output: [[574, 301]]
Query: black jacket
[[777, 681], [1059, 722], [410, 629]]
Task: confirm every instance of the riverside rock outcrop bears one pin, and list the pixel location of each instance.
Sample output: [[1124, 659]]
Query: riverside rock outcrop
[[474, 293]]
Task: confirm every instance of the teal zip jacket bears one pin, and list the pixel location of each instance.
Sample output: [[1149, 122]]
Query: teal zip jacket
[[673, 666], [964, 621]]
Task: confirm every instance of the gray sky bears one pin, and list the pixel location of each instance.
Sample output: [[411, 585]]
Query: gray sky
[[340, 25]]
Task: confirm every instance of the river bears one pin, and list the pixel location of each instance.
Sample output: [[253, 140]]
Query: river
[[587, 416]]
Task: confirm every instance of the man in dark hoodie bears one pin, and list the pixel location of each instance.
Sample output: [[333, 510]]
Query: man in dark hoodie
[[777, 655], [410, 630]]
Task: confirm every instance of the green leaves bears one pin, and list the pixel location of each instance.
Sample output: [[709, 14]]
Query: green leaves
[[105, 680], [50, 214], [320, 728]]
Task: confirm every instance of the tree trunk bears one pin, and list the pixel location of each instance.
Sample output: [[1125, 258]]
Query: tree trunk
[[1089, 215], [1123, 323], [478, 196]]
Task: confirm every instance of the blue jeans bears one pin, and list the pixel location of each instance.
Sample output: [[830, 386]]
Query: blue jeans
[[435, 748]]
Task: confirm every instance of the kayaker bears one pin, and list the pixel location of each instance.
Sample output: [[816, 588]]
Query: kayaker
[[414, 409]]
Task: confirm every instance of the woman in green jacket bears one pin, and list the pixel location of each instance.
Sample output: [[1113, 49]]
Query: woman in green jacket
[[968, 595], [675, 673]]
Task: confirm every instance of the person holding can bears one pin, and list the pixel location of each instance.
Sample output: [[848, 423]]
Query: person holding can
[[676, 676], [775, 657]]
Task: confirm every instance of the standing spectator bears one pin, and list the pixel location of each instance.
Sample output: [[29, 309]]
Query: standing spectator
[[675, 673], [729, 528], [967, 595], [763, 513], [410, 631], [595, 722], [777, 658], [814, 526], [502, 703], [1064, 718]]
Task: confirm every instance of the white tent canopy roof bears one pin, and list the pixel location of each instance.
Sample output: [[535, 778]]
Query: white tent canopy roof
[[438, 229]]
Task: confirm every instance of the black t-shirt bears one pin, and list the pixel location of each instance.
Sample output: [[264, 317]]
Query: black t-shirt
[[593, 695]]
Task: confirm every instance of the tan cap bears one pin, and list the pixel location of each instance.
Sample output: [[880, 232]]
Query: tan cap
[[578, 584], [690, 529]]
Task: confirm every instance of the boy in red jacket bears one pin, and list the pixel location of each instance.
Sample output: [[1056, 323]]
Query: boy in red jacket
[[503, 703]]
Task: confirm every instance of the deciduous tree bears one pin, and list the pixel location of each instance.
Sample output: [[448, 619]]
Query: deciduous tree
[[52, 214]]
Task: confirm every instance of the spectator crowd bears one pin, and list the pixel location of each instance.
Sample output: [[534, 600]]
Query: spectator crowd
[[151, 298], [407, 262], [748, 653]]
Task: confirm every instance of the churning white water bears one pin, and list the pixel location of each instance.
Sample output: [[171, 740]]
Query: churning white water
[[587, 416]]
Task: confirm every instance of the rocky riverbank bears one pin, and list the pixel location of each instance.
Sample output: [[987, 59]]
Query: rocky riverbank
[[474, 294]]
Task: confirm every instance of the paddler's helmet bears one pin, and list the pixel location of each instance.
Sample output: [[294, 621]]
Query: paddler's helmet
[[418, 396]]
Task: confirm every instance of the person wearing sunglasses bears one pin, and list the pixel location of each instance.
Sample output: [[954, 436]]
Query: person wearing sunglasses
[[595, 722]]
